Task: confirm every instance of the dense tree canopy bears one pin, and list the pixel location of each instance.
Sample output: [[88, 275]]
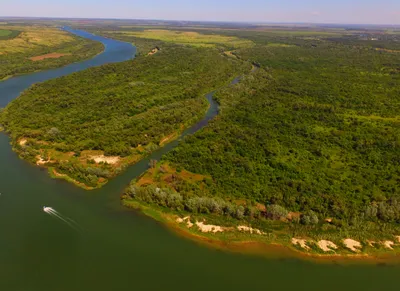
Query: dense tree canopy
[[317, 128], [123, 109]]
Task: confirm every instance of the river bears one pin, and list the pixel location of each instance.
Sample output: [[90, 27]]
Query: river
[[103, 246]]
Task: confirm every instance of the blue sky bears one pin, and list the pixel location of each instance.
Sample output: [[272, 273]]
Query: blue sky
[[322, 11]]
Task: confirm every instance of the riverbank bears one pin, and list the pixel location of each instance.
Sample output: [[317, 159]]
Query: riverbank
[[92, 169], [242, 238], [86, 58], [115, 165]]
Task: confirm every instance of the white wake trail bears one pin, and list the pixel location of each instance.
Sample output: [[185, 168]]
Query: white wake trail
[[65, 219]]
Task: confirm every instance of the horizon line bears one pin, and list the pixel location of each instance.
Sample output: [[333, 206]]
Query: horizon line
[[203, 21]]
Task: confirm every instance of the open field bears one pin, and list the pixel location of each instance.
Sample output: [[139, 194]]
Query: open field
[[190, 38], [8, 34], [32, 38], [20, 54], [4, 32], [48, 56]]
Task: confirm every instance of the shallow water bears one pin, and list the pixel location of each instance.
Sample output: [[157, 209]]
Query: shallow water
[[114, 248]]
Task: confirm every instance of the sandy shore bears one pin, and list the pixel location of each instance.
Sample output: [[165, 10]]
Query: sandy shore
[[327, 246], [104, 159], [352, 245], [267, 246]]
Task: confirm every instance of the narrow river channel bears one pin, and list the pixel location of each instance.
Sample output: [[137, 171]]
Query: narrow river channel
[[88, 241]]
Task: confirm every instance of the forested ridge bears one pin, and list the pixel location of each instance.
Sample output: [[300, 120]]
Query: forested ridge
[[125, 110]]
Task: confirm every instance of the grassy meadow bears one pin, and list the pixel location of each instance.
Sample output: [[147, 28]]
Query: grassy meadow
[[22, 45], [191, 38], [5, 32]]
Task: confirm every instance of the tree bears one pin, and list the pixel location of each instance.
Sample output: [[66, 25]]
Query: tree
[[275, 211]]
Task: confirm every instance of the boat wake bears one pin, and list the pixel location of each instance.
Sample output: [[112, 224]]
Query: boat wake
[[63, 218]]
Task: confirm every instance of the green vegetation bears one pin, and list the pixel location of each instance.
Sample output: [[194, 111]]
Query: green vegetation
[[143, 45], [305, 146], [26, 48], [190, 38], [8, 34], [314, 132], [122, 111]]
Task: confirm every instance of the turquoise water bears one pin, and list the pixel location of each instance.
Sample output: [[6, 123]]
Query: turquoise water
[[108, 247]]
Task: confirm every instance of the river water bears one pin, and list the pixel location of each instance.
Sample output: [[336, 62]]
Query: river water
[[96, 244]]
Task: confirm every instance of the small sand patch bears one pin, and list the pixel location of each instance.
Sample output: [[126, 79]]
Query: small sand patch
[[153, 51], [40, 161], [104, 159], [386, 50], [388, 244], [23, 141], [167, 139], [209, 228], [301, 242], [352, 245], [327, 246], [48, 56], [187, 219], [188, 222], [249, 229], [57, 174]]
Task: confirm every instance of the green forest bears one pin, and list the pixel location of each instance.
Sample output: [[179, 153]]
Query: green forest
[[124, 110], [315, 131]]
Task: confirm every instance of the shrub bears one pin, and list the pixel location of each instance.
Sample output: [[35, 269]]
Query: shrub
[[275, 211]]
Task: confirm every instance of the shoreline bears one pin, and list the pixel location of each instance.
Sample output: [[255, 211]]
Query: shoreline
[[57, 67], [165, 141], [52, 67], [132, 160], [273, 249]]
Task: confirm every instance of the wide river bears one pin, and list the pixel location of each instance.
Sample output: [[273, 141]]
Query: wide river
[[103, 246]]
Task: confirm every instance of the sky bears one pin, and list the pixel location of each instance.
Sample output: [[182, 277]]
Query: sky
[[308, 11]]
